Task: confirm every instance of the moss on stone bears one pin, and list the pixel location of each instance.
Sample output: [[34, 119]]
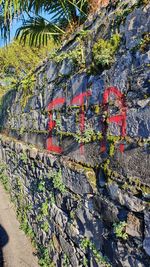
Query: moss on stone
[[91, 177]]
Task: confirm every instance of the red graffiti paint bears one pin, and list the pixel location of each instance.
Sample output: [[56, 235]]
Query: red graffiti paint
[[50, 146], [55, 102], [119, 119], [79, 99]]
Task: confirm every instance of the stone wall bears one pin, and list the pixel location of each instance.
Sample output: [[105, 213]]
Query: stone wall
[[90, 201], [71, 210]]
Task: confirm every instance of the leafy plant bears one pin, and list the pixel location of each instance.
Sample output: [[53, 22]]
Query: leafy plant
[[86, 137], [45, 208], [24, 225], [22, 130], [85, 261], [44, 259], [56, 177], [58, 124], [76, 55], [18, 60], [86, 243], [111, 149], [66, 261], [43, 212], [27, 84], [120, 230], [121, 15], [106, 168], [104, 51], [45, 226], [4, 177], [57, 181], [24, 158], [22, 208], [52, 198], [41, 186]]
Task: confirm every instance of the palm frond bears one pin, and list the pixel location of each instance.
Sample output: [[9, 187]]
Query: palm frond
[[38, 31], [13, 7], [9, 9], [4, 26]]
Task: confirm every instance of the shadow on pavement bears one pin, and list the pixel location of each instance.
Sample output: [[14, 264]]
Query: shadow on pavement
[[3, 241]]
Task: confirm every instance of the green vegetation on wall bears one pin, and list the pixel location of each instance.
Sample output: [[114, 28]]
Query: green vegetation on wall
[[120, 230], [100, 259], [104, 51], [76, 55], [4, 177]]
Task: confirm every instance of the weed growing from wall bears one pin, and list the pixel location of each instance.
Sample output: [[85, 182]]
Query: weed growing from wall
[[76, 55], [4, 177], [104, 51], [43, 253], [24, 158], [102, 260], [57, 180], [27, 86], [120, 230], [87, 136]]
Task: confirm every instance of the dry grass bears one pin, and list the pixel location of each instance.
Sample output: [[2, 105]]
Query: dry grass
[[95, 5]]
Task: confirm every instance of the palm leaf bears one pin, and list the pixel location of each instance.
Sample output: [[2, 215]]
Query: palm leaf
[[38, 31], [4, 26], [8, 10], [13, 7]]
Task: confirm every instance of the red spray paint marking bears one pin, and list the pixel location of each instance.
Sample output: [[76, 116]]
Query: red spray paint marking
[[52, 124], [56, 102], [119, 119], [79, 99]]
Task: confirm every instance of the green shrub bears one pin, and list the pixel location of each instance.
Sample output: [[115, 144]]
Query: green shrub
[[104, 51], [120, 230], [44, 260], [57, 181]]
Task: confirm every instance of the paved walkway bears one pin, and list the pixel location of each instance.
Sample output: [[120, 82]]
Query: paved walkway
[[15, 248]]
